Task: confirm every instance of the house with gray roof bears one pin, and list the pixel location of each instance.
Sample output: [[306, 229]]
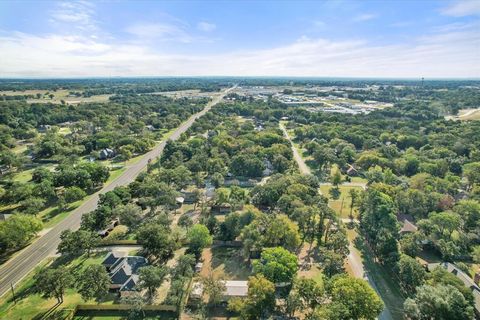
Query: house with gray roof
[[123, 271]]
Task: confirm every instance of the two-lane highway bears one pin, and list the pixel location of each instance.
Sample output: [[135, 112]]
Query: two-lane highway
[[25, 261]]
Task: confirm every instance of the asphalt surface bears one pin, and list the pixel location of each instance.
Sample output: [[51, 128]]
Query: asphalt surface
[[15, 269]]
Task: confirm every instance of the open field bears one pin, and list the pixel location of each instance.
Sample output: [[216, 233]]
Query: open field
[[466, 114], [58, 96], [225, 263], [342, 205]]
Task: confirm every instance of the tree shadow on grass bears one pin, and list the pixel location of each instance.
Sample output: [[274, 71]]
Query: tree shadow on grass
[[52, 313], [235, 266]]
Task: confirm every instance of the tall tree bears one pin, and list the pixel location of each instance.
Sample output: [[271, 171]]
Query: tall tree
[[93, 282], [156, 240], [199, 238], [215, 289], [443, 302], [151, 278], [354, 299], [277, 265], [378, 223], [411, 274], [54, 282]]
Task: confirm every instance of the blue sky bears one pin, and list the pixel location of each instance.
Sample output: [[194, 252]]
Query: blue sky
[[240, 38]]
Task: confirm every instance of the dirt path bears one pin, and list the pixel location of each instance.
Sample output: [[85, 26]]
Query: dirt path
[[304, 169]]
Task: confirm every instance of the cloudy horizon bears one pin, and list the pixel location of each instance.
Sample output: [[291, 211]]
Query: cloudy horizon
[[329, 39]]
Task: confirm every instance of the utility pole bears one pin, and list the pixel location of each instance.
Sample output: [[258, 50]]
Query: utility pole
[[13, 294]]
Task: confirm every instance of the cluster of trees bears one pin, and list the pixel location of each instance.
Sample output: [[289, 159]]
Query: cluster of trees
[[18, 230], [229, 147], [339, 297], [68, 183]]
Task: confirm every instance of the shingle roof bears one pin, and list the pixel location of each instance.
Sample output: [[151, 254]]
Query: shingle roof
[[124, 271]]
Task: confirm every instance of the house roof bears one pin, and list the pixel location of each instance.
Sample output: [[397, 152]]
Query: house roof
[[111, 258], [124, 271], [235, 288], [407, 223]]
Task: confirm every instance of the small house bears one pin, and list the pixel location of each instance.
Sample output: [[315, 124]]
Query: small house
[[235, 289], [179, 201], [106, 154], [189, 195], [221, 208], [407, 223]]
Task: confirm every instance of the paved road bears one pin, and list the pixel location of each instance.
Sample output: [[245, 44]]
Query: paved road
[[25, 261]]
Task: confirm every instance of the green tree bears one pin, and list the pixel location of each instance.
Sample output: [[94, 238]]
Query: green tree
[[355, 299], [215, 289], [277, 265], [52, 283], [411, 244], [354, 196], [442, 302], [199, 238], [306, 295], [336, 177], [156, 240], [151, 278], [73, 194], [260, 301], [130, 215], [77, 242], [18, 230], [410, 273], [93, 282], [378, 223], [32, 205]]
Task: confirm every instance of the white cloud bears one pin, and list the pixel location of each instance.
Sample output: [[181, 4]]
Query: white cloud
[[160, 31], [438, 54], [79, 14], [364, 17], [462, 8], [206, 26]]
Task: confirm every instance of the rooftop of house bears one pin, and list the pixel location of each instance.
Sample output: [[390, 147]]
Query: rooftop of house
[[236, 288], [407, 223], [123, 270]]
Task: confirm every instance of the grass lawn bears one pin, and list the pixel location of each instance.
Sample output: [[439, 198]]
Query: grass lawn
[[114, 174], [226, 263], [342, 205], [64, 131], [19, 149], [23, 176], [31, 305]]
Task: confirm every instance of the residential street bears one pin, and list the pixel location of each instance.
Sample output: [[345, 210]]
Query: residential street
[[14, 270], [353, 259]]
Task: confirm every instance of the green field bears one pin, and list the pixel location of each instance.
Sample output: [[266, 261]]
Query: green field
[[342, 205]]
